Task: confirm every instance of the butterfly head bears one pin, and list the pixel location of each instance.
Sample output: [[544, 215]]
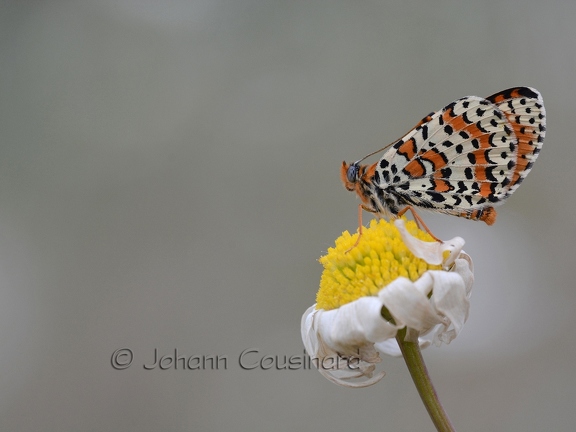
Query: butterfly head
[[350, 175], [360, 179]]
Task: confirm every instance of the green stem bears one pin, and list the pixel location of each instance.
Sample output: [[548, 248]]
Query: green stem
[[415, 362]]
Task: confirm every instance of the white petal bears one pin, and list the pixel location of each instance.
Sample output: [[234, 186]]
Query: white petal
[[409, 304], [362, 357], [451, 299], [352, 325], [390, 346], [308, 331], [431, 252], [465, 268]]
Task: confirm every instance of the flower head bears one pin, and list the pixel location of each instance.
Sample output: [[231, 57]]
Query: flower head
[[396, 271]]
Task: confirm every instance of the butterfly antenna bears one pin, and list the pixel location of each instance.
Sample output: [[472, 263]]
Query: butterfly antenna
[[377, 151]]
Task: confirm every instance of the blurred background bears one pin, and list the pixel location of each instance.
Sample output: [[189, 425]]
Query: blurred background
[[169, 175]]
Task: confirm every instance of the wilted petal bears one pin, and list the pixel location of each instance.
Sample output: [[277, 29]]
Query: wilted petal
[[336, 341], [408, 305], [390, 346], [351, 326], [451, 300], [431, 252]]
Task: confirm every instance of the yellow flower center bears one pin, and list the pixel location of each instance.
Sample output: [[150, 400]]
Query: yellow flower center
[[380, 257]]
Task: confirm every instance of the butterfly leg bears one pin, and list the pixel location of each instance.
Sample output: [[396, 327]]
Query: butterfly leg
[[360, 208], [418, 220]]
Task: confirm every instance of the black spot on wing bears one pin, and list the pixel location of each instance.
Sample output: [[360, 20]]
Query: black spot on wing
[[446, 173], [479, 126], [450, 109], [461, 187], [487, 157], [436, 197], [491, 139], [489, 174], [403, 186]]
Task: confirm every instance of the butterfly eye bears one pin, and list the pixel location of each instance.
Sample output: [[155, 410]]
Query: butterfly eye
[[352, 173]]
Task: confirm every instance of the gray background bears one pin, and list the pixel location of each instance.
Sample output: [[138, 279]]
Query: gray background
[[169, 176]]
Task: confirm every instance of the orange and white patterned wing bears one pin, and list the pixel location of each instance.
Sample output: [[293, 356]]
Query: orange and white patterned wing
[[463, 159]]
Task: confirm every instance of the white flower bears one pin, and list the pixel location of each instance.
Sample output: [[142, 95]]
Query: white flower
[[344, 342]]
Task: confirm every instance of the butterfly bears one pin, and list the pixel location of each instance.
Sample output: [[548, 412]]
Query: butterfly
[[462, 160]]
